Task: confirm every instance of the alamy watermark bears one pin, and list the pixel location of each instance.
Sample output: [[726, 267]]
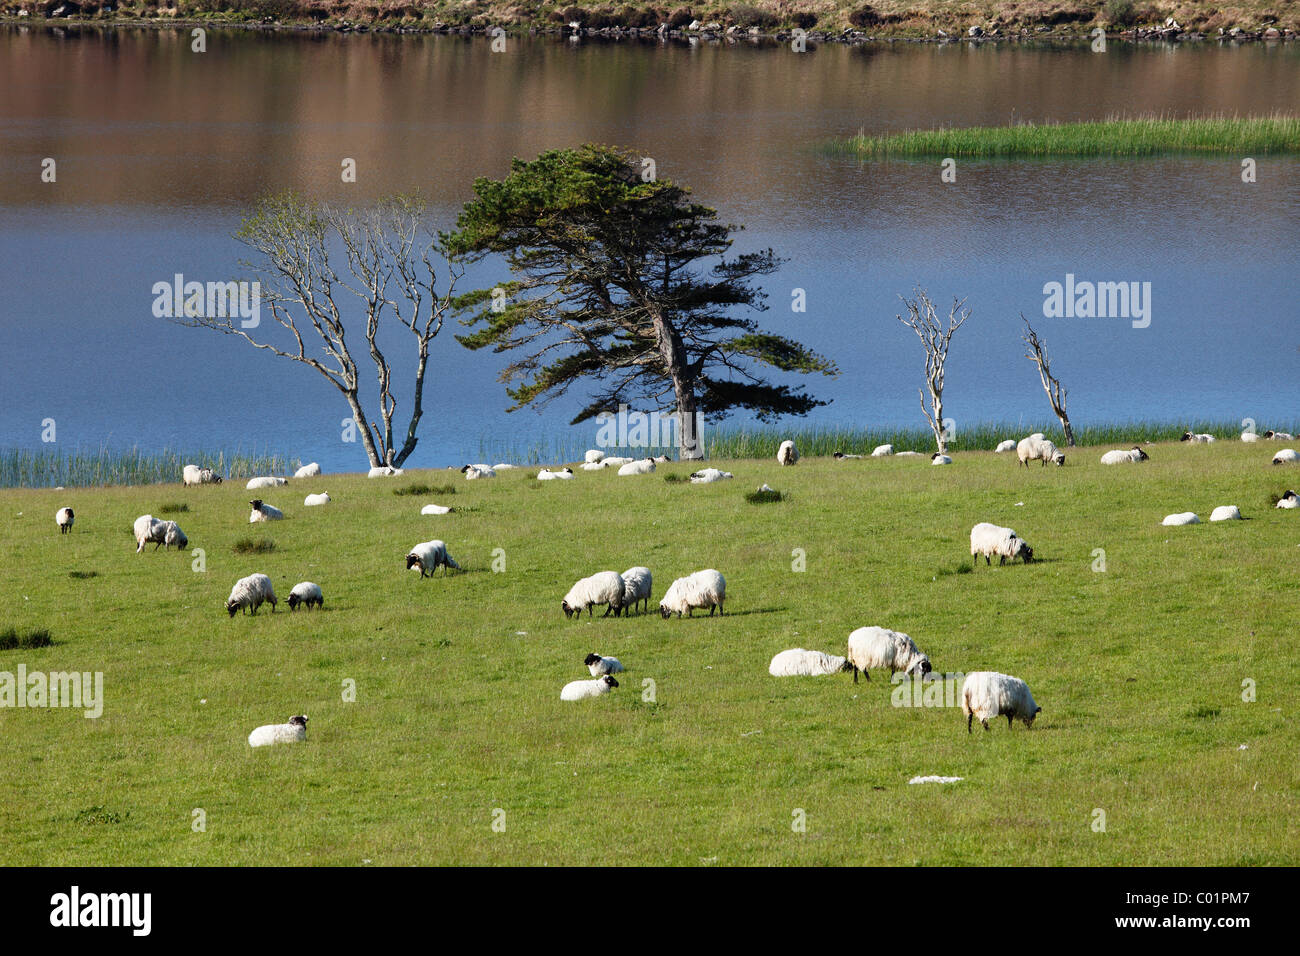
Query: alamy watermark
[[1098, 300], [78, 689], [179, 299], [628, 429]]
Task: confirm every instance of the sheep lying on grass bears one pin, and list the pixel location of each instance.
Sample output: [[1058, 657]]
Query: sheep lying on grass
[[582, 689], [940, 459], [306, 594], [194, 475], [64, 518], [989, 539], [988, 694], [435, 510], [250, 593], [600, 666], [1005, 446], [1278, 436], [1289, 499], [383, 471], [882, 451], [702, 589], [1198, 438], [1226, 513], [1131, 456], [1183, 517], [263, 512], [564, 474], [310, 470], [291, 733], [643, 466], [479, 471], [798, 662], [603, 587], [1285, 456], [161, 533], [637, 585], [593, 456], [428, 556], [315, 501], [871, 647], [265, 481], [707, 476], [840, 456]]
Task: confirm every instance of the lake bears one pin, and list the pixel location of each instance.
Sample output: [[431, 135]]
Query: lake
[[160, 151]]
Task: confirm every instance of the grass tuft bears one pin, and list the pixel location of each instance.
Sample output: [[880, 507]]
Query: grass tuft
[[174, 508], [12, 639], [764, 497], [253, 546], [83, 575]]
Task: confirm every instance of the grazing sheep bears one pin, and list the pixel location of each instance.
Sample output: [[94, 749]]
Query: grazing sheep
[[1038, 447], [600, 666], [882, 451], [989, 539], [1198, 438], [582, 689], [64, 518], [194, 475], [1183, 517], [435, 510], [940, 459], [428, 555], [308, 471], [637, 584], [478, 471], [593, 456], [313, 501], [1285, 455], [1249, 436], [707, 476], [265, 482], [988, 694], [1004, 446], [563, 474], [798, 662], [643, 466], [702, 589], [1226, 513], [291, 733], [250, 593], [1133, 455], [263, 512], [840, 456], [162, 533], [384, 471], [787, 454], [1288, 500], [1279, 436], [880, 647], [306, 594], [603, 587]]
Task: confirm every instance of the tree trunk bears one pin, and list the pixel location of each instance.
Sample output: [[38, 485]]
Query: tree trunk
[[674, 355], [688, 442], [359, 415], [1069, 432]]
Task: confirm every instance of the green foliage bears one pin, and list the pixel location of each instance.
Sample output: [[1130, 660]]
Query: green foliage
[[1121, 13]]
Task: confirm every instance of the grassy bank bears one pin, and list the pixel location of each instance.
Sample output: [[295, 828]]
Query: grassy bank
[[1241, 136], [50, 468], [1139, 669]]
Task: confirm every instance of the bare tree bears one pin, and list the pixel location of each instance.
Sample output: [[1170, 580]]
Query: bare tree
[[936, 337], [389, 270], [1051, 385]]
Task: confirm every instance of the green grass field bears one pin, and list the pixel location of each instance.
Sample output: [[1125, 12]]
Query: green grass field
[[457, 721]]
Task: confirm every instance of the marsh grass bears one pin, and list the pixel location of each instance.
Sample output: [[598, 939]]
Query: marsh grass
[[29, 468]]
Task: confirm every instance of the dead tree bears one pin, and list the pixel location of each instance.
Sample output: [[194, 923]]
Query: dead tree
[[1051, 385], [936, 337]]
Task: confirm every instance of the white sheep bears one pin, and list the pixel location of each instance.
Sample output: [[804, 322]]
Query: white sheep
[[940, 459], [162, 533], [1226, 513], [840, 456], [564, 474], [291, 733], [582, 689], [383, 471], [600, 666], [263, 512], [988, 694], [798, 662], [1038, 447], [908, 454], [707, 476], [265, 481], [1005, 446], [315, 501], [435, 510], [250, 593], [662, 458], [1183, 517], [1198, 438], [310, 470], [603, 587], [479, 471], [1249, 436], [702, 589], [428, 556], [306, 593], [989, 539], [593, 456], [643, 466], [503, 466], [1289, 500], [1279, 436], [787, 454], [637, 585], [871, 647], [1132, 455], [616, 462], [194, 475], [593, 466], [64, 518], [882, 451], [1285, 455]]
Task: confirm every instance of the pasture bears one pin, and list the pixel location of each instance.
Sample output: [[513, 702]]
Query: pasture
[[457, 723]]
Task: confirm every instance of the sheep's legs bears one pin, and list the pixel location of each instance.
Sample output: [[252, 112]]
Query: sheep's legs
[[969, 720], [1008, 721]]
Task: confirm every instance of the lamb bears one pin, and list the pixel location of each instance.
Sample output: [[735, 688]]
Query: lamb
[[840, 456], [435, 510], [1004, 446], [428, 555], [989, 539], [250, 593], [308, 471], [707, 476], [637, 584], [603, 587], [478, 471], [263, 512], [1134, 454], [787, 454], [882, 451], [643, 467], [1038, 447], [265, 482], [1288, 500], [880, 647], [702, 589], [64, 518], [798, 662], [383, 471], [600, 666], [306, 594], [1183, 517], [1199, 438], [593, 456], [314, 501], [939, 458], [292, 732], [1279, 436], [1226, 513], [162, 533], [582, 689], [194, 475], [564, 474], [988, 694], [1285, 455]]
